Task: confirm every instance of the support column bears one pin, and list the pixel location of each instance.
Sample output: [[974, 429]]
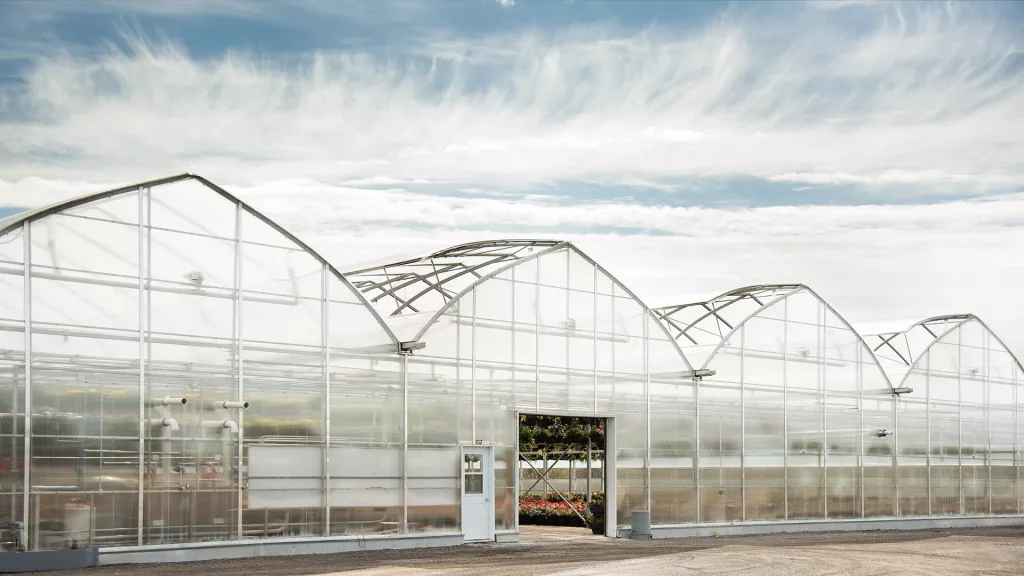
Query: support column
[[988, 417], [239, 360], [536, 340], [26, 493], [405, 444], [142, 261], [610, 500], [1016, 439], [860, 436], [823, 382], [595, 338], [696, 450], [647, 403], [472, 370], [743, 426], [959, 418], [325, 340], [928, 424], [785, 407]]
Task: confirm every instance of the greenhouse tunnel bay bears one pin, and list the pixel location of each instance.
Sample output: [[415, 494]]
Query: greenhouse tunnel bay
[[176, 368]]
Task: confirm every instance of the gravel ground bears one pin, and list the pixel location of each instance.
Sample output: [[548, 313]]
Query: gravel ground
[[567, 551]]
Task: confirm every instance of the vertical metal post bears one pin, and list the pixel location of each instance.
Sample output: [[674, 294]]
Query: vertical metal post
[[743, 425], [572, 472], [610, 479], [149, 319], [590, 455], [29, 527], [860, 436], [325, 340], [822, 381], [595, 339], [959, 415], [895, 453], [544, 472], [239, 344], [928, 424], [988, 416], [569, 331], [536, 343], [696, 449], [647, 404], [515, 373], [142, 362], [472, 370], [1016, 438], [785, 406], [405, 444]]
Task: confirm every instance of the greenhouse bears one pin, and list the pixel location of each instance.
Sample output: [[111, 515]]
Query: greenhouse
[[181, 378]]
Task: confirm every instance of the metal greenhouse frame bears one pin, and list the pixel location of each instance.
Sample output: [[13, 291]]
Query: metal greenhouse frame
[[181, 378]]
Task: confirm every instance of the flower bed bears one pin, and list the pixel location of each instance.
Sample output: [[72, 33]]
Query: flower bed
[[553, 511]]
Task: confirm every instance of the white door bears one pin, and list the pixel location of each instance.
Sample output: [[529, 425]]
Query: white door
[[478, 493]]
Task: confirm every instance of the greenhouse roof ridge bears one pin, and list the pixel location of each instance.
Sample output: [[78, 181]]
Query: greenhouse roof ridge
[[415, 284], [697, 312], [895, 346]]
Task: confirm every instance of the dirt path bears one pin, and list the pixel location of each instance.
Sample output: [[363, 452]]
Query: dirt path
[[557, 551]]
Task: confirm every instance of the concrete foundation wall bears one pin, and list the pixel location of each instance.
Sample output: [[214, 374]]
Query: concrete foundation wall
[[858, 524], [275, 547]]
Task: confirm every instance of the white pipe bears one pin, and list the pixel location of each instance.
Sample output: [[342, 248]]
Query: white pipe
[[171, 422], [168, 401], [229, 424], [230, 404]]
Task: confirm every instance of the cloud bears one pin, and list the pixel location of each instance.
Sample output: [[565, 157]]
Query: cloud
[[506, 3], [914, 102]]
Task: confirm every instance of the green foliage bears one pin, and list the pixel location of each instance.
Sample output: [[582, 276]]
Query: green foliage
[[550, 435]]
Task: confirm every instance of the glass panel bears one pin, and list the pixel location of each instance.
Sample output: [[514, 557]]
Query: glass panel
[[474, 483]]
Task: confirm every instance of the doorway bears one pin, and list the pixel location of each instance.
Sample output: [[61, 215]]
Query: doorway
[[563, 477], [477, 493]]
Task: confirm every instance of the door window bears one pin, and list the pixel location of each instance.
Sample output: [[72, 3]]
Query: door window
[[473, 474]]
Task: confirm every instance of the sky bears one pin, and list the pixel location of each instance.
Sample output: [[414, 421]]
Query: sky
[[872, 150]]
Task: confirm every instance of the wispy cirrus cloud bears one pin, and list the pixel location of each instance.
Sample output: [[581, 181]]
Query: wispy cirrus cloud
[[912, 101], [378, 149]]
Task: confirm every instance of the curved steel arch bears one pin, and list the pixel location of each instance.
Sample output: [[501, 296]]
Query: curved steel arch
[[791, 289], [906, 356], [438, 272], [715, 305], [963, 319], [18, 220], [550, 246]]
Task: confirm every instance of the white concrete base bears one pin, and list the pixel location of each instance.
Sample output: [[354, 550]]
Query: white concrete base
[[271, 547], [506, 536], [837, 525]]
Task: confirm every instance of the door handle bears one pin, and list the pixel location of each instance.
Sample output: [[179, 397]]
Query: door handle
[[487, 499]]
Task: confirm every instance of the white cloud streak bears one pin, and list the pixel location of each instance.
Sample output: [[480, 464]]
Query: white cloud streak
[[915, 103]]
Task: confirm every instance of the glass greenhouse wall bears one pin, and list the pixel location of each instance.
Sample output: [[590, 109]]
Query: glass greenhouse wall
[[800, 420], [177, 368], [135, 327]]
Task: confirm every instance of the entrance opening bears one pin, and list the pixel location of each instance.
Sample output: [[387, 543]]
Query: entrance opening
[[563, 477]]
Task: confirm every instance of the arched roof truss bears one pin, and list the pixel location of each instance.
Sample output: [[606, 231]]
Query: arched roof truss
[[431, 288], [189, 237], [906, 354], [781, 323], [430, 282]]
